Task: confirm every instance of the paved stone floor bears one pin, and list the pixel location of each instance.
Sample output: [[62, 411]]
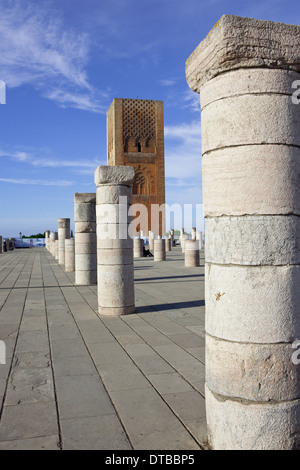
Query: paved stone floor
[[73, 380]]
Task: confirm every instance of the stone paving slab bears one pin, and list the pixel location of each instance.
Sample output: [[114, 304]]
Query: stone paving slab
[[74, 380]]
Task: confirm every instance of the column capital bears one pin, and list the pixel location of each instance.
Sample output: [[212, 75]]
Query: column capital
[[85, 197], [114, 175], [236, 42]]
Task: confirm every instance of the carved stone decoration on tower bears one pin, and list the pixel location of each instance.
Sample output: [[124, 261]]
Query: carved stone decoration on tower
[[135, 137]]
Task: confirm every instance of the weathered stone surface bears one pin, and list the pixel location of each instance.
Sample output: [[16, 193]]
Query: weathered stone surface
[[266, 180], [84, 212], [256, 240], [64, 224], [248, 81], [231, 424], [237, 42], [85, 238], [138, 244], [63, 234], [255, 372], [85, 198], [269, 119], [112, 214], [159, 250], [116, 256], [113, 286], [85, 278], [112, 231], [239, 300], [85, 261], [105, 242], [85, 227], [191, 253], [245, 71], [70, 255], [112, 195], [119, 175]]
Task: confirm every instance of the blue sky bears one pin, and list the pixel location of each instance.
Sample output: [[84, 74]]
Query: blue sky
[[64, 61]]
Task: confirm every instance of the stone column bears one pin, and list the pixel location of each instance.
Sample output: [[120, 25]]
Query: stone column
[[138, 244], [159, 249], [181, 234], [63, 234], [172, 236], [168, 243], [56, 249], [47, 239], [184, 237], [70, 255], [191, 253], [53, 237], [114, 244], [245, 71], [151, 241], [85, 238], [199, 238]]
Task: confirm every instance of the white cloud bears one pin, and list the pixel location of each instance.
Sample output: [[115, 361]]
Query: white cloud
[[191, 100], [27, 181], [84, 101], [43, 162], [168, 82], [188, 133], [36, 49]]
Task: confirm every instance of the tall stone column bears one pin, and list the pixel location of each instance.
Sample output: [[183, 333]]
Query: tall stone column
[[181, 234], [56, 250], [53, 237], [47, 239], [85, 238], [63, 234], [114, 244], [151, 240], [199, 239], [245, 71], [70, 255]]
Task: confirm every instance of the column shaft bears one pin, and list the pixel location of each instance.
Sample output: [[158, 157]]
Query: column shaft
[[114, 245], [251, 199], [85, 238], [63, 234]]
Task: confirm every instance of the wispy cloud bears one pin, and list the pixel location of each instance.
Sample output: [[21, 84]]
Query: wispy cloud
[[37, 49], [85, 101], [27, 181], [191, 100], [168, 82], [46, 161], [188, 133]]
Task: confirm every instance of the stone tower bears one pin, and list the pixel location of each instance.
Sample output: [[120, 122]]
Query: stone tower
[[135, 137]]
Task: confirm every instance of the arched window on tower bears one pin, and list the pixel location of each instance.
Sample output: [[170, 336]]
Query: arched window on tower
[[141, 184]]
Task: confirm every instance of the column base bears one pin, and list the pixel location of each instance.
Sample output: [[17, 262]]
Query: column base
[[116, 311]]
